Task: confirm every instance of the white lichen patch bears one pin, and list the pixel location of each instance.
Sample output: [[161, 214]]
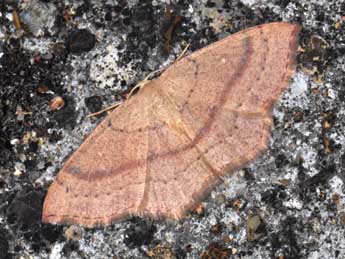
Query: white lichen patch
[[297, 94], [231, 217], [235, 185], [253, 3], [294, 203], [337, 187], [106, 72], [309, 157], [38, 16], [56, 251], [37, 46]]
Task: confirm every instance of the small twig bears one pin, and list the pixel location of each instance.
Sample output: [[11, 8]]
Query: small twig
[[16, 20], [140, 85], [104, 110], [183, 52], [152, 74], [23, 113], [144, 82]]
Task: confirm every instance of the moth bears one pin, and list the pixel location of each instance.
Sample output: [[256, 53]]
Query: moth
[[165, 148]]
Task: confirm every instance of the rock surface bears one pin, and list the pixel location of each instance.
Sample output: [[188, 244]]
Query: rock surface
[[296, 188]]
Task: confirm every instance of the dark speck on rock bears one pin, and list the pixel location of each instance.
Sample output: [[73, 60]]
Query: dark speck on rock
[[108, 15], [282, 3], [117, 8], [286, 240], [69, 247], [274, 196], [342, 163], [33, 146], [3, 245], [140, 232], [123, 83], [50, 232], [25, 209], [80, 41], [83, 8], [281, 160], [24, 214], [180, 252], [248, 175], [30, 164], [93, 103], [66, 117], [210, 4], [55, 136], [320, 178], [5, 149], [59, 51]]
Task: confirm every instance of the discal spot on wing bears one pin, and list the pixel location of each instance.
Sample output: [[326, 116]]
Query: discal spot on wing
[[166, 147]]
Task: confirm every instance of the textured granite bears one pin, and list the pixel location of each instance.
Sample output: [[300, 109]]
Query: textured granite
[[288, 203]]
